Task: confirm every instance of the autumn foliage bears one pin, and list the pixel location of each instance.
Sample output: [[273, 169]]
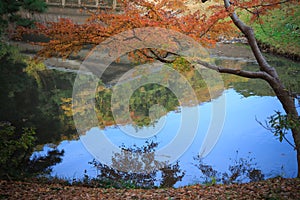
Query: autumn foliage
[[68, 37]]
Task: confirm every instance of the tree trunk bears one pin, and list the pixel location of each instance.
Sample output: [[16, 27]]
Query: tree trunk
[[288, 104], [271, 76], [298, 160]]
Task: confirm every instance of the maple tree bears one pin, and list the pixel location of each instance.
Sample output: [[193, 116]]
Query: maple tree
[[220, 18]]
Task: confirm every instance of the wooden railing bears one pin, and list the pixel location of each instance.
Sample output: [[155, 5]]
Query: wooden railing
[[83, 3]]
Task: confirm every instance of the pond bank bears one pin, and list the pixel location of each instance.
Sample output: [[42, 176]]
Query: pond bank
[[243, 49], [226, 51], [276, 188], [266, 48], [231, 50]]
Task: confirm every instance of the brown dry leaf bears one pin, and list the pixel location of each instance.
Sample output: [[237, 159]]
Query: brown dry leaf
[[277, 188]]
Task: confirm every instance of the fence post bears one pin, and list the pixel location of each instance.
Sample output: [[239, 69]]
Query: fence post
[[114, 4], [63, 3]]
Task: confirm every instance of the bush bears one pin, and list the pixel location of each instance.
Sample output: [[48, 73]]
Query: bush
[[16, 149]]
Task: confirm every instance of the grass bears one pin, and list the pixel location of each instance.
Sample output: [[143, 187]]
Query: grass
[[280, 30]]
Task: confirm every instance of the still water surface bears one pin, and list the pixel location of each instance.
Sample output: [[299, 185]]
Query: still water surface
[[241, 137]]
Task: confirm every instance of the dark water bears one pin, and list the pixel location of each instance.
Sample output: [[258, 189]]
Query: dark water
[[44, 102]]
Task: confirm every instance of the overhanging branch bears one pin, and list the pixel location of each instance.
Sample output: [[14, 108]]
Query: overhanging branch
[[161, 58], [238, 72], [249, 34]]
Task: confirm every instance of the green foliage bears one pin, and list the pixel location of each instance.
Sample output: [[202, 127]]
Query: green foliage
[[9, 12], [279, 124], [9, 6], [280, 29], [150, 97], [181, 64], [15, 86], [151, 101], [9, 53], [32, 96], [35, 5], [146, 97], [213, 181], [33, 69], [16, 148]]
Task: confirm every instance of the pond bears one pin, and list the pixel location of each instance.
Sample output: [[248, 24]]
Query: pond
[[242, 150], [241, 137]]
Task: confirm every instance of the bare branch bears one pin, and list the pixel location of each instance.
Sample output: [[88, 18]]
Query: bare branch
[[238, 72], [289, 142], [266, 5], [249, 33], [161, 58]]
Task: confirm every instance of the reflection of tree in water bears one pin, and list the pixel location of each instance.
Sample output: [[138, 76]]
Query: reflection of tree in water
[[30, 115], [137, 170], [241, 170], [143, 99], [136, 166], [32, 98], [137, 159], [171, 174]]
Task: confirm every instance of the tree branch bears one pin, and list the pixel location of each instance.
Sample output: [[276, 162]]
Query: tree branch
[[249, 34], [238, 72], [161, 58], [267, 5], [268, 128]]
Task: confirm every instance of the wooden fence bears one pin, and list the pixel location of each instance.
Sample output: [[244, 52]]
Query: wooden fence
[[83, 3]]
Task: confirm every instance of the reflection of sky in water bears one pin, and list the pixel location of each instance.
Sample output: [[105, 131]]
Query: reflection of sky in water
[[241, 132]]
